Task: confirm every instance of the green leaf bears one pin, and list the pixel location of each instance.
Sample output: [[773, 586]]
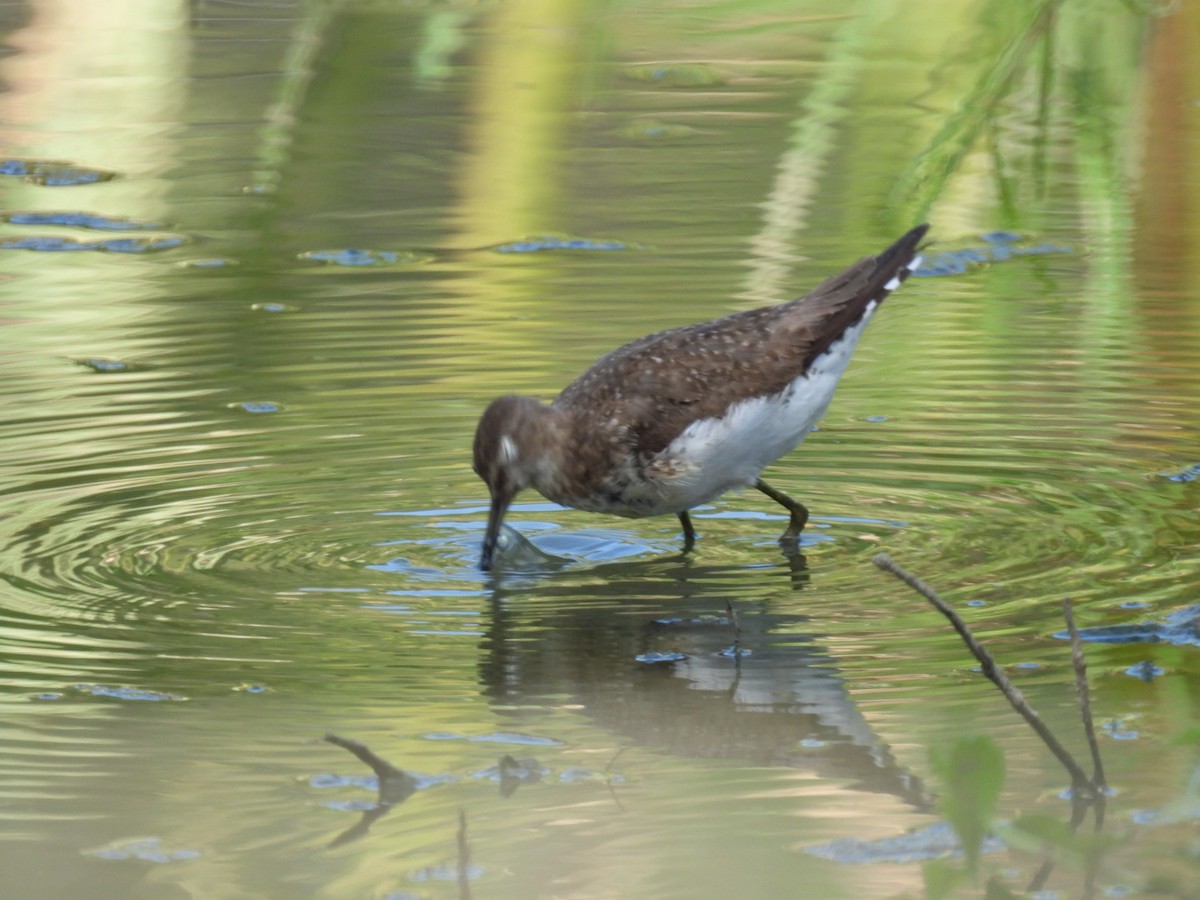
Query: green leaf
[[1040, 833], [1046, 831], [971, 774], [941, 878]]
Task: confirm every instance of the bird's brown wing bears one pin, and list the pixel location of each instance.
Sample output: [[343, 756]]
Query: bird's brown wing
[[655, 386]]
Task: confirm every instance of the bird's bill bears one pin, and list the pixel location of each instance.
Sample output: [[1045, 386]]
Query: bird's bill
[[491, 537]]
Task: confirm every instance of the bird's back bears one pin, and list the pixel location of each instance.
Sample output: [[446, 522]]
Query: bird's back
[[655, 387]]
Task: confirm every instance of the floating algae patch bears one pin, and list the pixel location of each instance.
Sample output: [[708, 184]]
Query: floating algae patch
[[996, 246], [543, 242], [930, 842], [654, 657], [102, 364], [360, 258], [1181, 627], [53, 173], [210, 262], [657, 131], [257, 407], [147, 849], [76, 219], [55, 244], [125, 693], [1187, 473], [678, 75]]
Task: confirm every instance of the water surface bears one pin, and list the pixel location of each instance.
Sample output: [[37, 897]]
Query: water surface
[[264, 263]]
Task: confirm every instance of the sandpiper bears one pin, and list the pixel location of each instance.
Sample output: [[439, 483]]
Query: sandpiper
[[677, 418]]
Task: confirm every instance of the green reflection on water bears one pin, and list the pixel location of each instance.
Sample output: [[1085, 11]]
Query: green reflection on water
[[274, 488]]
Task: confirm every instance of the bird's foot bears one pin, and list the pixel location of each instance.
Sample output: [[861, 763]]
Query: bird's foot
[[789, 542]]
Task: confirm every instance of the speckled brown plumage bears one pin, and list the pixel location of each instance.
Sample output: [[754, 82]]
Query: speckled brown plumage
[[601, 444]]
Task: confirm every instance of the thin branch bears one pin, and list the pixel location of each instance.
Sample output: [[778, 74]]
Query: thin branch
[[1085, 702], [608, 780], [1016, 699]]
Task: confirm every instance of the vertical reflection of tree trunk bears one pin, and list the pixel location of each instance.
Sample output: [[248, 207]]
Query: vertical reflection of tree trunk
[[525, 93]]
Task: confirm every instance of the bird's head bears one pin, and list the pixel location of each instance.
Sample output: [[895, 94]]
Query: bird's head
[[512, 447]]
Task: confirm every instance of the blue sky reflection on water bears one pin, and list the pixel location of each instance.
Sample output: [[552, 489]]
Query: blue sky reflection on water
[[265, 263]]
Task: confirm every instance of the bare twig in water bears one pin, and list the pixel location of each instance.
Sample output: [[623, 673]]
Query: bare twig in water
[[608, 779], [1081, 784], [615, 757], [1098, 781], [395, 786], [380, 766]]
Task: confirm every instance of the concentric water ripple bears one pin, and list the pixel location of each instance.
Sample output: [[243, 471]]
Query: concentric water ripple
[[265, 263]]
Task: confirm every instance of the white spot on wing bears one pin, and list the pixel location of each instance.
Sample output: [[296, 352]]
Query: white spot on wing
[[895, 281], [508, 451]]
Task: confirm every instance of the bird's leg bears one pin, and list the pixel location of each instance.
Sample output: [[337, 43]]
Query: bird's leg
[[689, 533], [797, 511]]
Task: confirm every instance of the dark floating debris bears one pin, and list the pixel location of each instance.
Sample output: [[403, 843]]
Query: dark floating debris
[[91, 221], [1180, 627], [999, 246], [544, 242], [1146, 670], [512, 773], [103, 364], [681, 75], [660, 656], [125, 693], [54, 244], [1188, 473], [393, 786], [355, 258], [53, 173]]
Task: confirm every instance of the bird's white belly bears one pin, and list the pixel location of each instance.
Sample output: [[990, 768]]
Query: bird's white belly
[[712, 456]]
